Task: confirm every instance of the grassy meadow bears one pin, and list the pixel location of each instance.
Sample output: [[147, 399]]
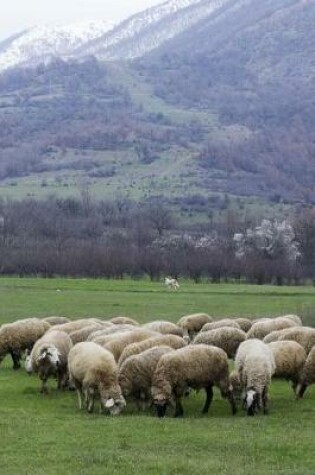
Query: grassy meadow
[[49, 435]]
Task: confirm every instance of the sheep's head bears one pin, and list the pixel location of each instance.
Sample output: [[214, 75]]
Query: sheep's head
[[50, 354], [251, 401], [114, 405]]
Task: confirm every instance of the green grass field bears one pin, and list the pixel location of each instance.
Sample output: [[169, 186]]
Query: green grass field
[[49, 435]]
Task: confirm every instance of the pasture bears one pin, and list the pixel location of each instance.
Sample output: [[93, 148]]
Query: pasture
[[49, 435]]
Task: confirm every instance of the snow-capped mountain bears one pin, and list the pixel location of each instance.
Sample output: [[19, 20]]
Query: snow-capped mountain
[[41, 43], [132, 38]]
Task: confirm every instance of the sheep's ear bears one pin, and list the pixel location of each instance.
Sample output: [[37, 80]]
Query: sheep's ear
[[109, 403]]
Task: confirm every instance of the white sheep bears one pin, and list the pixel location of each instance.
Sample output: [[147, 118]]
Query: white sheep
[[192, 324], [256, 365], [136, 373], [226, 338], [19, 336], [49, 357], [307, 375], [289, 357], [195, 366], [93, 370], [224, 322], [164, 327], [262, 327], [172, 341]]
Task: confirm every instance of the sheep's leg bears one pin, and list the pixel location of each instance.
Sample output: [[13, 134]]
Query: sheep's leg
[[179, 411], [301, 390], [44, 389], [16, 356], [209, 391], [79, 394], [265, 400]]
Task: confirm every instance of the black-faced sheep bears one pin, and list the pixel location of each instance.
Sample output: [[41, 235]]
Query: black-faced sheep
[[172, 341], [226, 338], [255, 364], [195, 366], [307, 375], [19, 336], [136, 373], [49, 358], [93, 370]]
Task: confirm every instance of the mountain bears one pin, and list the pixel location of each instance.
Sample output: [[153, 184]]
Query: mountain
[[222, 105], [132, 38], [42, 43]]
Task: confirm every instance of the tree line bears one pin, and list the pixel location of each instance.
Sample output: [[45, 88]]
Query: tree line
[[120, 237]]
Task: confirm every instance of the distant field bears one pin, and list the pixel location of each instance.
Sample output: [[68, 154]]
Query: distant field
[[47, 435]]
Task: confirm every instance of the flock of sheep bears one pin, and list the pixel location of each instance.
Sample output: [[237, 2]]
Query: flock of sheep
[[160, 362]]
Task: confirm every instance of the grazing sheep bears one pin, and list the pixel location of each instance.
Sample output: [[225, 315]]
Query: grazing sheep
[[192, 324], [255, 364], [164, 327], [136, 373], [244, 323], [274, 336], [236, 385], [19, 336], [123, 321], [83, 333], [226, 338], [75, 325], [172, 341], [55, 320], [195, 366], [93, 370], [289, 357], [305, 336], [307, 375], [261, 328], [225, 322], [112, 330], [171, 283], [118, 343], [49, 357], [295, 318]]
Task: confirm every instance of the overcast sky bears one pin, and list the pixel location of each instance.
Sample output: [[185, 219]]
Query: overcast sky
[[17, 15]]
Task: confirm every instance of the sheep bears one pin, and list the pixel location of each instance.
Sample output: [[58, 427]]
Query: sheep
[[113, 329], [55, 320], [192, 324], [164, 327], [171, 283], [172, 341], [74, 325], [82, 334], [295, 318], [20, 335], [236, 385], [274, 335], [289, 357], [93, 370], [305, 336], [226, 338], [123, 321], [49, 357], [308, 374], [118, 343], [195, 366], [261, 328], [136, 373], [225, 322], [244, 323], [256, 365]]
